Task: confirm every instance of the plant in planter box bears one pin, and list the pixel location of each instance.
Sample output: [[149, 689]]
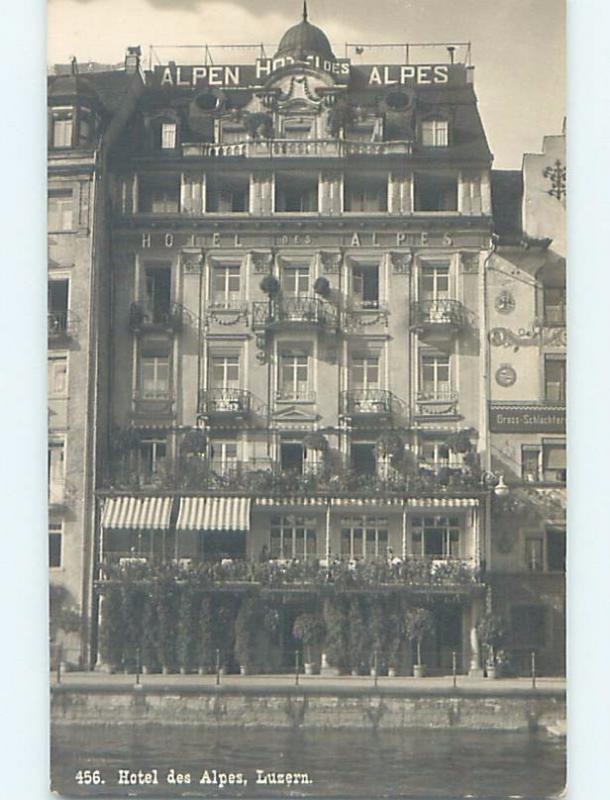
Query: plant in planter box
[[309, 629], [461, 441], [259, 125], [376, 628], [418, 623], [206, 657], [185, 638], [112, 630], [336, 640], [270, 286], [491, 630], [322, 287], [166, 614], [246, 626], [358, 639], [150, 630]]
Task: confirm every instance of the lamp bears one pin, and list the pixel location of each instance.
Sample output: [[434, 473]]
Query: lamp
[[501, 489]]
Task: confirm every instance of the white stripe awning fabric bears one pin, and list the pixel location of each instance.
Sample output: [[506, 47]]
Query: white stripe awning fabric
[[214, 514], [443, 502], [137, 513]]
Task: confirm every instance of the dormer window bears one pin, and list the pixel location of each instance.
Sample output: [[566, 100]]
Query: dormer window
[[62, 128], [435, 133], [168, 135]]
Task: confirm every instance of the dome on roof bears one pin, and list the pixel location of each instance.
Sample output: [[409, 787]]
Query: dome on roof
[[303, 40]]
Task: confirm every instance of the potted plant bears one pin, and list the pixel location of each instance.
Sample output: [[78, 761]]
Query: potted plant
[[491, 636], [322, 287], [270, 286], [259, 125], [205, 648], [418, 623], [246, 626], [309, 629]]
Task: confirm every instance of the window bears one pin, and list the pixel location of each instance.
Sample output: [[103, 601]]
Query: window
[[363, 460], [435, 537], [294, 376], [434, 377], [368, 193], [224, 455], [292, 457], [62, 129], [153, 455], [293, 537], [528, 626], [57, 375], [56, 470], [226, 292], [168, 135], [435, 133], [227, 195], [534, 554], [57, 303], [154, 377], [363, 537], [555, 379], [365, 372], [233, 133], [544, 463], [554, 305], [435, 452], [158, 293], [85, 126], [159, 194], [60, 211], [55, 541], [365, 281], [224, 372], [297, 128], [556, 549], [434, 282], [296, 193], [435, 193], [295, 281]]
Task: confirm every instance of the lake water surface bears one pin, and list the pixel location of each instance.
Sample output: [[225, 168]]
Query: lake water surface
[[339, 763]]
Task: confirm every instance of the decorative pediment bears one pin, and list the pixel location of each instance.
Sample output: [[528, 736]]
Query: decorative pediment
[[293, 415]]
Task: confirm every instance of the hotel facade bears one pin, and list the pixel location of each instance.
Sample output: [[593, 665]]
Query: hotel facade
[[294, 295]]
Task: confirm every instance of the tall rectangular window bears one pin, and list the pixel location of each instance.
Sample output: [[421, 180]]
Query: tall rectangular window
[[227, 194], [366, 193], [55, 544], [555, 379], [435, 537], [365, 372], [60, 211], [62, 129], [56, 470], [435, 380], [435, 133], [554, 304], [168, 135], [57, 375], [530, 462], [158, 292], [224, 455], [364, 537], [225, 372], [553, 461], [153, 455], [434, 282], [296, 193], [435, 193], [154, 377], [292, 537], [226, 291], [159, 194], [365, 281], [556, 549], [534, 554], [295, 281], [294, 376]]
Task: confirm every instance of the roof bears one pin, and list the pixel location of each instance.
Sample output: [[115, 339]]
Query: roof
[[304, 39], [506, 199], [109, 88]]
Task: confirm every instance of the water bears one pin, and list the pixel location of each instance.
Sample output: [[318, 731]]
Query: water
[[340, 763]]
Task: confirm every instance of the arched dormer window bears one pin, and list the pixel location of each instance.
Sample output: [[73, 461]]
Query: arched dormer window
[[165, 132], [434, 132]]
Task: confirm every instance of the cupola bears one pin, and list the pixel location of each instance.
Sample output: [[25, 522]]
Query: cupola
[[304, 40]]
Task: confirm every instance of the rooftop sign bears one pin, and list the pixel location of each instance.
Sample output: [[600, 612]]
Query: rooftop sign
[[256, 75]]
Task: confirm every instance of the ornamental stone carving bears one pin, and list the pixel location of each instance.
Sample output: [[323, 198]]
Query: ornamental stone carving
[[331, 262], [192, 260], [401, 262], [262, 261]]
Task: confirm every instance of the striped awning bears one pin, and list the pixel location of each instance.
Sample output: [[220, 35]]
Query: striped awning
[[442, 502], [291, 501], [366, 501], [214, 514], [137, 513]]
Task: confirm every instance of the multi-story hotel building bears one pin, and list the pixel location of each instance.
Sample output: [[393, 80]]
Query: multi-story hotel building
[[282, 356]]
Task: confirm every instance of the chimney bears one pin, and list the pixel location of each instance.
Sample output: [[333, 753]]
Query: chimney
[[132, 60]]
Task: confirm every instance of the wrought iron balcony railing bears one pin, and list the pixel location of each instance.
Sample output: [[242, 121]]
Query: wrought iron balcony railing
[[61, 324], [153, 405], [439, 313], [299, 310], [368, 402], [299, 148], [170, 317], [225, 402]]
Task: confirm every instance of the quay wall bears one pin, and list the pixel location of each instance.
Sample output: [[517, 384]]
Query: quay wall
[[309, 707]]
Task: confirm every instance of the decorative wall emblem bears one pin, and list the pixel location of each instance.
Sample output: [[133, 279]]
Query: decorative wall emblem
[[538, 335], [192, 260], [557, 176], [506, 375], [331, 262], [262, 261], [401, 262], [505, 302]]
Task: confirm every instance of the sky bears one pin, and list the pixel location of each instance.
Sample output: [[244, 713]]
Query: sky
[[517, 45]]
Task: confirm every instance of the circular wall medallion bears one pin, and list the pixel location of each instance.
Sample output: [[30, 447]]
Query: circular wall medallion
[[505, 302], [505, 375]]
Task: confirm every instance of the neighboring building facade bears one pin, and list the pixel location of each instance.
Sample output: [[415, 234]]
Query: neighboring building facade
[[291, 334]]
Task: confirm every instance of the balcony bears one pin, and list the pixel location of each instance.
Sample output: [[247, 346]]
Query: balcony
[[369, 404], [61, 325], [225, 403], [170, 318], [296, 148], [294, 311], [153, 406], [436, 403], [438, 315]]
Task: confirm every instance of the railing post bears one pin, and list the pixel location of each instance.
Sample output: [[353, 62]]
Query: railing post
[[376, 669], [533, 668], [217, 667], [454, 667], [137, 665], [296, 667]]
